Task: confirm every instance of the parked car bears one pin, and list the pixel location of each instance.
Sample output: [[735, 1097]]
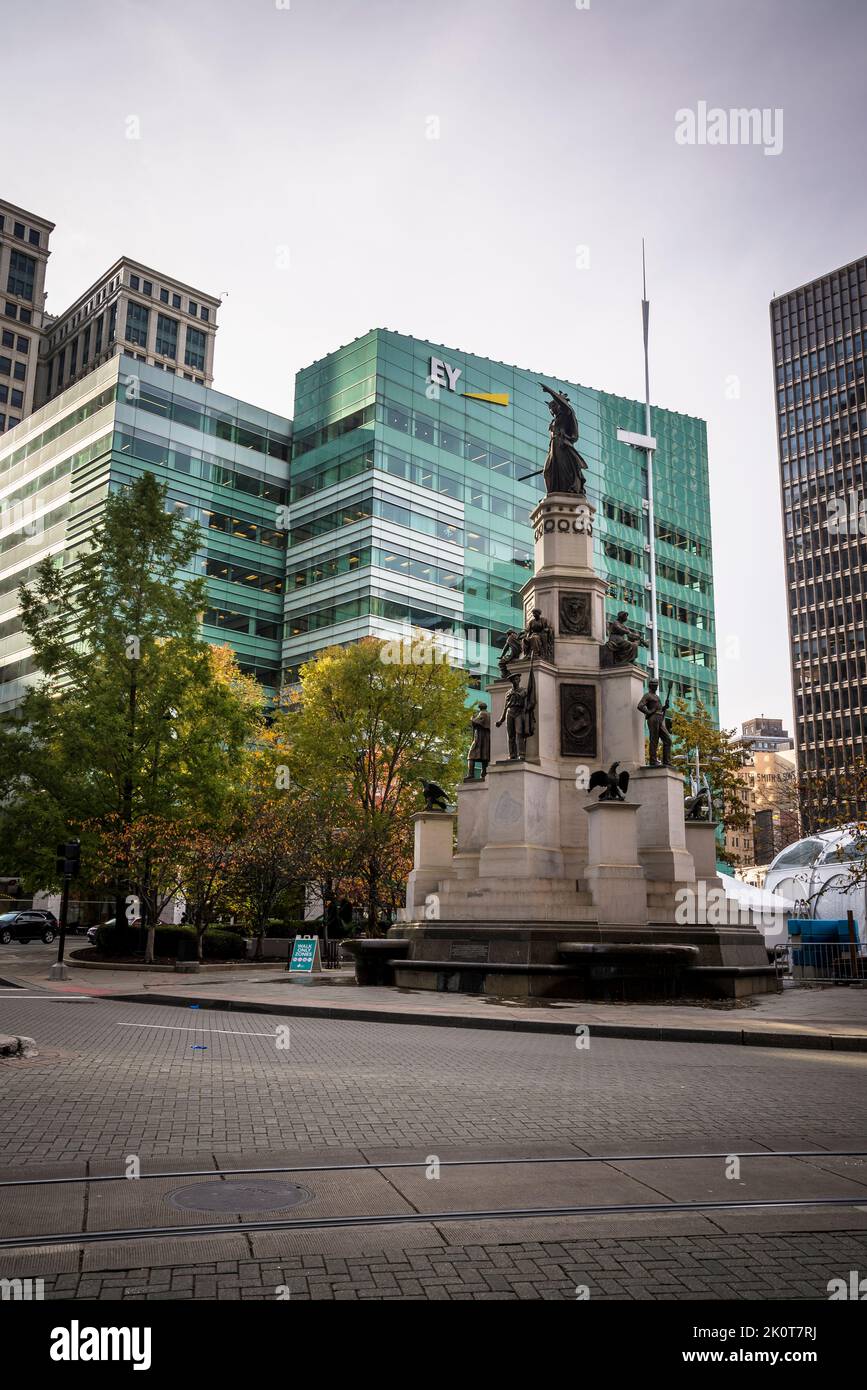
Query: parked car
[[26, 926]]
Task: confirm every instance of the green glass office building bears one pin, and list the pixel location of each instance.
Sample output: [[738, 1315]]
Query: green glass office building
[[410, 506], [398, 499]]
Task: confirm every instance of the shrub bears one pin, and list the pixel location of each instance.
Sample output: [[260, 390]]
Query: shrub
[[172, 943]]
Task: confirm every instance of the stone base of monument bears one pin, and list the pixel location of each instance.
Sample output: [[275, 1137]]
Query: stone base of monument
[[537, 890], [562, 960]]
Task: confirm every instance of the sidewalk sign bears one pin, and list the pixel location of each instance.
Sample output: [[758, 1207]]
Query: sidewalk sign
[[305, 955]]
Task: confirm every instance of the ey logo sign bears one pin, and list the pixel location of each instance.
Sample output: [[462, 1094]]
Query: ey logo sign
[[444, 376]]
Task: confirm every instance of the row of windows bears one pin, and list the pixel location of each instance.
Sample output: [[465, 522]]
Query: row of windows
[[22, 274], [367, 605], [820, 358], [230, 620], [362, 557], [269, 581], [61, 426], [16, 311], [20, 231], [206, 419], [16, 397], [15, 340], [148, 448], [58, 470], [18, 370], [239, 526], [146, 287]]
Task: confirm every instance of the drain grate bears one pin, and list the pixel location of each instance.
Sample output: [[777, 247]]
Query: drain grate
[[239, 1196]]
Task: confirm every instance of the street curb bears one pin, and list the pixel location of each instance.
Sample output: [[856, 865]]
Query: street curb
[[824, 1042]]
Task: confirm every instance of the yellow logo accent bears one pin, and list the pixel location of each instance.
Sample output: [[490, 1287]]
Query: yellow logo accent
[[493, 398]]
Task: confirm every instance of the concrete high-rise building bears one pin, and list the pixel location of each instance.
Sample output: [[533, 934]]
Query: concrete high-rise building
[[764, 734], [411, 503], [134, 310], [818, 344], [23, 257]]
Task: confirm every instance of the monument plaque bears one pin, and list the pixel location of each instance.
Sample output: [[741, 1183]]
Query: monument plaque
[[574, 614], [577, 721]]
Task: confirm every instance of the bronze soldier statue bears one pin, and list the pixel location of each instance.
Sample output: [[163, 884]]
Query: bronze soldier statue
[[518, 719], [654, 712], [480, 749]]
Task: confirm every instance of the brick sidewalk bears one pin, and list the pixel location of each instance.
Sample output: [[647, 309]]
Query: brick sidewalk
[[745, 1267]]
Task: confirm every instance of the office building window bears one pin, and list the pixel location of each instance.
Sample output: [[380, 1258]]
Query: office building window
[[19, 230], [73, 357], [26, 316], [22, 270], [18, 399], [50, 374], [19, 371], [205, 313], [176, 301], [97, 346], [167, 336], [134, 282], [8, 338], [4, 394], [22, 344], [112, 323], [34, 237], [193, 308], [195, 351], [147, 286], [61, 365], [5, 366], [85, 346], [11, 310], [137, 324], [164, 296]]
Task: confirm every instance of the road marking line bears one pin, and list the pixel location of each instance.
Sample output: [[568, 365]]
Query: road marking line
[[182, 1028], [53, 998]]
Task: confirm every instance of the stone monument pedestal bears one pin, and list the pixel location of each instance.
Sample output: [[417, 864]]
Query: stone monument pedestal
[[614, 876], [542, 868]]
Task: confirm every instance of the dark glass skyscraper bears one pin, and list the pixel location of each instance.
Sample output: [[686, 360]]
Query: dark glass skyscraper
[[818, 342]]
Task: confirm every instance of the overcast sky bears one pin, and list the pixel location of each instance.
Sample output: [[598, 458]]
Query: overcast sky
[[300, 130]]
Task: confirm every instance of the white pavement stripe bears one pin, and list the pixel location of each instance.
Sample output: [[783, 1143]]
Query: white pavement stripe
[[55, 998], [181, 1028]]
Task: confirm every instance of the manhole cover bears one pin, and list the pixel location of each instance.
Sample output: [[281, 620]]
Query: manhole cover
[[239, 1196]]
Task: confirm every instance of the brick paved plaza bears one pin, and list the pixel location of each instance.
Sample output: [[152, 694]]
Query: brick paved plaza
[[186, 1089]]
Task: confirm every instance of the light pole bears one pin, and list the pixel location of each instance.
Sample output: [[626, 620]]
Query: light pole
[[647, 443]]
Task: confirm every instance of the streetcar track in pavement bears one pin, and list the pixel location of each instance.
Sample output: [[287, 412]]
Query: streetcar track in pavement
[[418, 1216]]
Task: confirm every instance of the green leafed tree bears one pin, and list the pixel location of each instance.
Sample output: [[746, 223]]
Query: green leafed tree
[[136, 715], [370, 724], [720, 757]]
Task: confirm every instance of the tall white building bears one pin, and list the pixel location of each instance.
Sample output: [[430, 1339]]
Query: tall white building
[[23, 257], [133, 309]]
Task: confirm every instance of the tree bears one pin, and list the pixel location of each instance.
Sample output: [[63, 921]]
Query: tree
[[272, 851], [136, 716], [720, 757], [370, 724]]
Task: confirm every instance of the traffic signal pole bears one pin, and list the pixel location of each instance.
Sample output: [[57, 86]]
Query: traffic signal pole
[[68, 861]]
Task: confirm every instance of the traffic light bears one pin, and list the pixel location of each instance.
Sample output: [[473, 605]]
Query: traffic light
[[69, 859]]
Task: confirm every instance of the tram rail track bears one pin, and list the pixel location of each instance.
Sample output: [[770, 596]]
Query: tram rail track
[[416, 1217]]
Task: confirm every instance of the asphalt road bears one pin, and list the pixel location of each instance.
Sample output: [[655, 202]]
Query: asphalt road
[[186, 1089]]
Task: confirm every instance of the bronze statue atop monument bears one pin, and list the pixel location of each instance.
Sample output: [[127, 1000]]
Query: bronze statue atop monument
[[564, 469]]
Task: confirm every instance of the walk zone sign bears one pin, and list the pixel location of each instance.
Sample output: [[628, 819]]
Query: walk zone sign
[[305, 955]]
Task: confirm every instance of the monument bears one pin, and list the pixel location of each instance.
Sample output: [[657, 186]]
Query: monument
[[546, 890]]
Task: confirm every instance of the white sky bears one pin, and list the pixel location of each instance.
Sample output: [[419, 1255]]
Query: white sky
[[264, 128]]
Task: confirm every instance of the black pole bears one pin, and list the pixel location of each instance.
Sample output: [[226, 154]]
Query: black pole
[[64, 911]]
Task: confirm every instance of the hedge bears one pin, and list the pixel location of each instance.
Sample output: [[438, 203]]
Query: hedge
[[172, 943]]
